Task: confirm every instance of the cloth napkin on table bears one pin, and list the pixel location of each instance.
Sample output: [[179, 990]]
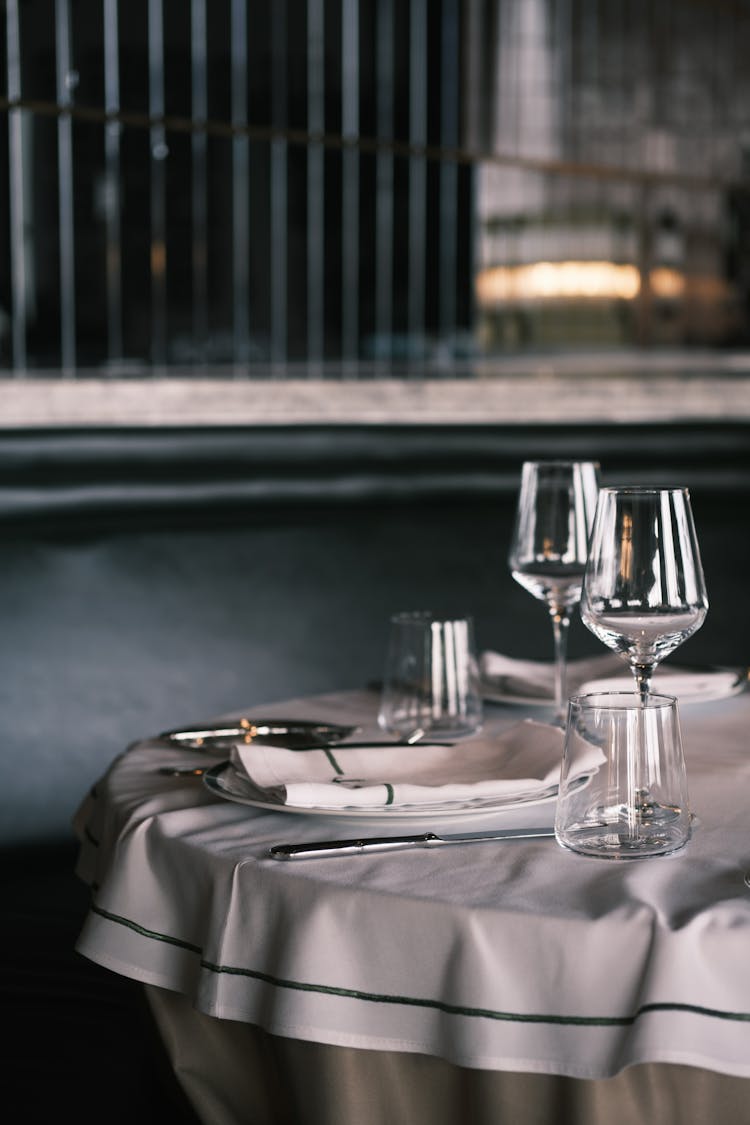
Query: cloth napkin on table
[[523, 761], [686, 685], [535, 679], [503, 676]]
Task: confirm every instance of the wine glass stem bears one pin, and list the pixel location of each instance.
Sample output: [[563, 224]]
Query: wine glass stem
[[639, 799], [643, 674], [560, 623]]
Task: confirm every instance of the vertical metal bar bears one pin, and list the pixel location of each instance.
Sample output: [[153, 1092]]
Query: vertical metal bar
[[449, 101], [198, 155], [417, 169], [384, 177], [18, 221], [474, 93], [591, 40], [65, 84], [240, 185], [113, 233], [315, 180], [477, 119], [159, 153], [350, 179], [719, 58], [644, 300], [564, 50], [278, 185]]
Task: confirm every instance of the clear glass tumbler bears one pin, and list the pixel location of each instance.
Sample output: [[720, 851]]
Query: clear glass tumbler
[[431, 680], [623, 784]]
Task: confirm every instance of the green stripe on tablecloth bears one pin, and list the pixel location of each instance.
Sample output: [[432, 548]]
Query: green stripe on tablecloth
[[153, 935], [422, 1002]]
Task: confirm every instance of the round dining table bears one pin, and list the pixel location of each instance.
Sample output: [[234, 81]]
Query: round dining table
[[491, 981]]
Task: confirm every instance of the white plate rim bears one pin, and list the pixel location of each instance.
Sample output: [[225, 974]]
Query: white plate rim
[[386, 815]]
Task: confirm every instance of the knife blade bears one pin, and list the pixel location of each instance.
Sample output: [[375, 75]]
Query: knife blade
[[365, 845], [393, 744]]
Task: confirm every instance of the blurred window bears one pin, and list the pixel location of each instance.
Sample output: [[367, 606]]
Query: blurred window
[[336, 187]]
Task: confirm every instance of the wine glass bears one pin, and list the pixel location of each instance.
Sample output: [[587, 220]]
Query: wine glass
[[556, 504], [643, 590]]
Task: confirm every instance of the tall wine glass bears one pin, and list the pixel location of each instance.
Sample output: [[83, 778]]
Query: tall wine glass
[[643, 591], [556, 504]]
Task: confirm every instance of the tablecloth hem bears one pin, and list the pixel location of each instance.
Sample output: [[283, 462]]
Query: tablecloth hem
[[128, 969]]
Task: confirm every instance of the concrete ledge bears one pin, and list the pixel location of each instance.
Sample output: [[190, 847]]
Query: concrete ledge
[[528, 398]]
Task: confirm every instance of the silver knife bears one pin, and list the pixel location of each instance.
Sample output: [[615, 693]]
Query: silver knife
[[364, 845]]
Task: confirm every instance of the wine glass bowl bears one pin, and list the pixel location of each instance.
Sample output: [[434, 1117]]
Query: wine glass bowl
[[548, 552], [643, 591]]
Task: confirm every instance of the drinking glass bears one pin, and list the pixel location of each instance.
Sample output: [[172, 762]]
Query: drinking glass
[[643, 590], [616, 748], [431, 681], [556, 504]]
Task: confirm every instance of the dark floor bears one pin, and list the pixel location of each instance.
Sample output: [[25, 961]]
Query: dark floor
[[80, 1044]]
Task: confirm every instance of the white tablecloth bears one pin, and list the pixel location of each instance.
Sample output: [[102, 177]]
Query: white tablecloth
[[515, 956]]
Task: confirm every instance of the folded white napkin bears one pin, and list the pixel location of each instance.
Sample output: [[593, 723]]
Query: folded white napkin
[[503, 676], [523, 762]]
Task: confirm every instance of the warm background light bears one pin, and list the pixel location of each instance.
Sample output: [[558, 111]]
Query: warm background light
[[667, 282], [546, 280]]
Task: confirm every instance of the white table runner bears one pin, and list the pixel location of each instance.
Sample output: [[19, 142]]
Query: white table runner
[[514, 956]]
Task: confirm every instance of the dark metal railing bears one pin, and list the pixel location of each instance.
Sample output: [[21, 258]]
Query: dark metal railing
[[330, 208]]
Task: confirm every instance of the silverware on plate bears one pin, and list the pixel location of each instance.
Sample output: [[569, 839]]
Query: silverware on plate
[[406, 740], [290, 735], [366, 845], [376, 742], [290, 732], [176, 771]]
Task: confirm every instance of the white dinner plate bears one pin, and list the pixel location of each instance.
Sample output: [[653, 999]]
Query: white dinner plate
[[688, 685], [225, 781]]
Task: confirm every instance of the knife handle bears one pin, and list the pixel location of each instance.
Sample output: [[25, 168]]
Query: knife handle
[[352, 847]]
